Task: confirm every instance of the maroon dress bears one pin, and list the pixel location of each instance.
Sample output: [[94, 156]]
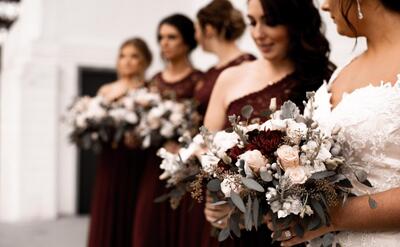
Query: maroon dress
[[156, 224], [291, 87], [189, 218], [114, 197], [204, 89]]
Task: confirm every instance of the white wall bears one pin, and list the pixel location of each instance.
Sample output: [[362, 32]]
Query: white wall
[[49, 42]]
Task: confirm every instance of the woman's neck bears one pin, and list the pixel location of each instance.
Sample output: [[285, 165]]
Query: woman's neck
[[280, 66], [132, 81], [178, 66], [226, 52], [382, 32]]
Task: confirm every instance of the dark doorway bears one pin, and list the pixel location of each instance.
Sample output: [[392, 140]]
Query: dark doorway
[[90, 80]]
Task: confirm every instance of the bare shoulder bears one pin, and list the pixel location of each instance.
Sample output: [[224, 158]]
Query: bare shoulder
[[235, 74]]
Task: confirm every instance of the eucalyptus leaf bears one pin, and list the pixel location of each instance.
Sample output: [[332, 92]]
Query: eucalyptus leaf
[[372, 203], [345, 183], [299, 230], [223, 234], [218, 203], [237, 200], [265, 113], [320, 211], [327, 239], [248, 222], [252, 184], [314, 223], [324, 174], [214, 185], [289, 110], [256, 209], [367, 183], [234, 221], [162, 198], [247, 110], [361, 175]]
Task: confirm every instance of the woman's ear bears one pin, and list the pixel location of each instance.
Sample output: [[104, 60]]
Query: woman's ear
[[210, 31]]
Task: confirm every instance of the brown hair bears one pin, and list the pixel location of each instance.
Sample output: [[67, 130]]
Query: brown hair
[[142, 47], [221, 15]]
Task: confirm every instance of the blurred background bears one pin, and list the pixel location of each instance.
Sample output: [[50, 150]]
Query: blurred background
[[51, 52]]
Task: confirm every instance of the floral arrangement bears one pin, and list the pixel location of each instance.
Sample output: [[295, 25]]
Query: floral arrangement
[[166, 119], [90, 123], [142, 114], [287, 165], [180, 169]]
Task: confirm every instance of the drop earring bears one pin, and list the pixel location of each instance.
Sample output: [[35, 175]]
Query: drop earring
[[360, 15]]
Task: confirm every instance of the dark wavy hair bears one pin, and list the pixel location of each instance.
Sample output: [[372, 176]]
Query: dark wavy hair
[[345, 6], [221, 15], [185, 27], [308, 47]]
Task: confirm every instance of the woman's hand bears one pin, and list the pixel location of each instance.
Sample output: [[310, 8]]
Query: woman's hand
[[288, 235], [217, 215]]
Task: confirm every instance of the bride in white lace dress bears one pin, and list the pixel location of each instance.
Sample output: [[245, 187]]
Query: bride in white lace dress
[[368, 112]]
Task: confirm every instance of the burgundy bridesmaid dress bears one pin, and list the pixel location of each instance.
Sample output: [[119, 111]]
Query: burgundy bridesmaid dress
[[156, 224], [114, 197], [291, 87]]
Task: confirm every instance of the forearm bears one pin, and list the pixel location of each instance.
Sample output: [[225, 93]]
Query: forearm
[[357, 215]]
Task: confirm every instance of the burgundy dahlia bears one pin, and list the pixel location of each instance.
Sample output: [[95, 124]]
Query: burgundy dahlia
[[265, 141]]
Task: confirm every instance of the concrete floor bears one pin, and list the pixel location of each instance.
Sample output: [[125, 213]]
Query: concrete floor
[[65, 232]]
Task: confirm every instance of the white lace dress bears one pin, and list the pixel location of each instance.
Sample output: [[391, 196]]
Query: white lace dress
[[369, 118]]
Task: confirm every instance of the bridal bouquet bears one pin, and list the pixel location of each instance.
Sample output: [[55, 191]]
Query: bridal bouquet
[[142, 114], [180, 169], [88, 117], [287, 165], [166, 119]]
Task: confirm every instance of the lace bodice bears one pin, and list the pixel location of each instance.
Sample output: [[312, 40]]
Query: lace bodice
[[369, 118], [182, 89]]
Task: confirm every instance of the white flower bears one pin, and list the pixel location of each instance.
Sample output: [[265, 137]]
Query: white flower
[[144, 98], [230, 184], [249, 128], [154, 117], [297, 175], [198, 139], [296, 206], [128, 103], [118, 114], [176, 118], [131, 118], [275, 206], [254, 160], [209, 162], [307, 210], [170, 163], [274, 124], [167, 130], [296, 131], [282, 213], [81, 121], [225, 140], [324, 154]]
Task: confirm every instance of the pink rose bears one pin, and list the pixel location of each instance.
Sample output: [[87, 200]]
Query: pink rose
[[254, 159], [288, 156]]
